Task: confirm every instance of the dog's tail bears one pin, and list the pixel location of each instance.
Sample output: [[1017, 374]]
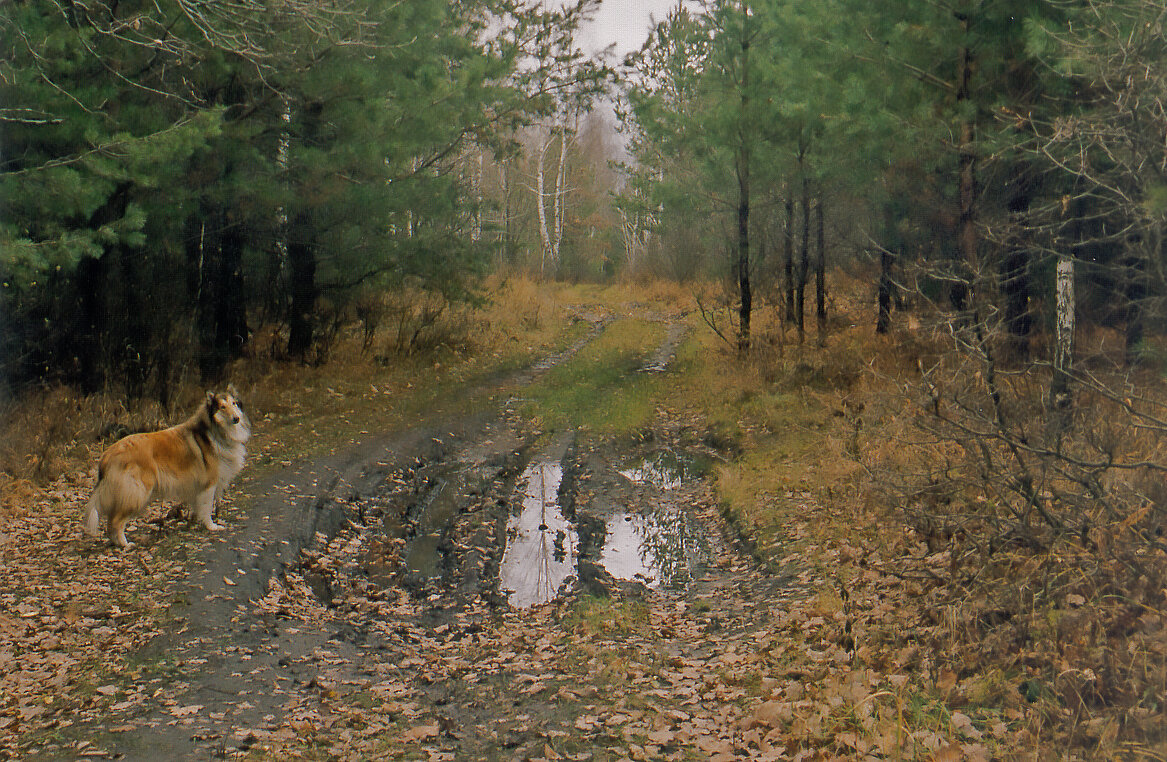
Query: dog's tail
[[91, 515]]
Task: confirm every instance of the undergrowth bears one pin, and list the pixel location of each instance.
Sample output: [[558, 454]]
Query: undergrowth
[[1041, 624]]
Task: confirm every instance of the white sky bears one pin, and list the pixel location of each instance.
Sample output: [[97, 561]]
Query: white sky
[[625, 23]]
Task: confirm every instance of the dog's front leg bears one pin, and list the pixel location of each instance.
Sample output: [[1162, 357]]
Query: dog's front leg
[[205, 506]]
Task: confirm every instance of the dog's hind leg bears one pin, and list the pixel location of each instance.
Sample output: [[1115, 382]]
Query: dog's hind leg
[[204, 508], [129, 492]]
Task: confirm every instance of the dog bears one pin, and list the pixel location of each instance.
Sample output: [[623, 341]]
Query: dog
[[192, 463]]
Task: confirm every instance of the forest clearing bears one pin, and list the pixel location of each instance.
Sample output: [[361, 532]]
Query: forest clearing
[[668, 379]]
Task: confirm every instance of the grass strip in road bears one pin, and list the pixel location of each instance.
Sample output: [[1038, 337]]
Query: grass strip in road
[[600, 391]]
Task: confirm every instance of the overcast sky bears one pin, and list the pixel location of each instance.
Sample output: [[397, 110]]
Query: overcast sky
[[625, 23]]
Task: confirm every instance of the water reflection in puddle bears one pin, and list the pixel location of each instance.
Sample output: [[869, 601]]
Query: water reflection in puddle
[[541, 545], [661, 550], [665, 470]]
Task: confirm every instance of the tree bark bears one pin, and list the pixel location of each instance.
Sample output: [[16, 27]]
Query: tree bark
[[1015, 287], [886, 291], [967, 236], [744, 158], [1064, 333], [302, 272], [91, 315], [820, 275], [1136, 292], [541, 209], [803, 261], [743, 252], [788, 270]]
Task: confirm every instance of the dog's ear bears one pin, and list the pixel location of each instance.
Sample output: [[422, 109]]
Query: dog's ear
[[212, 403], [231, 390]]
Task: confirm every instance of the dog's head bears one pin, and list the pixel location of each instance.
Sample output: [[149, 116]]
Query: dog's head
[[227, 414]]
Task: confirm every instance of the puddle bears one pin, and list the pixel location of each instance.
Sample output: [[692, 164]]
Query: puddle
[[662, 549], [441, 506], [666, 469], [541, 544]]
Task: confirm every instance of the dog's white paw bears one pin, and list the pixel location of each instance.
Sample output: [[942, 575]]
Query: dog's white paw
[[213, 527]]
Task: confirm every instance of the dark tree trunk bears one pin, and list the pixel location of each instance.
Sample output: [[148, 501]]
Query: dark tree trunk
[[136, 346], [967, 234], [221, 306], [820, 275], [90, 342], [803, 263], [887, 290], [743, 254], [1015, 288], [743, 200], [1136, 294], [788, 245], [302, 254], [230, 307], [91, 317], [302, 271]]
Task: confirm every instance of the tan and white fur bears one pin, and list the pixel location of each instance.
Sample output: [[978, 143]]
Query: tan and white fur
[[192, 463]]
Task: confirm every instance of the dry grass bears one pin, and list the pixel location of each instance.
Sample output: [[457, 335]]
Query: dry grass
[[1057, 645], [295, 407]]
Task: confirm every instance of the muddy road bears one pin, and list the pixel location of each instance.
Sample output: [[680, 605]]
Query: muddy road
[[468, 589]]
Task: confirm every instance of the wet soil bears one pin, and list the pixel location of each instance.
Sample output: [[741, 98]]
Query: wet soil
[[463, 590]]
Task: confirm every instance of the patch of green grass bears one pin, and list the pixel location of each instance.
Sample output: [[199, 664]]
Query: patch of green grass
[[599, 390], [593, 615]]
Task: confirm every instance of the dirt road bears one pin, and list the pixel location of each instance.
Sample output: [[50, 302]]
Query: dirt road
[[467, 589]]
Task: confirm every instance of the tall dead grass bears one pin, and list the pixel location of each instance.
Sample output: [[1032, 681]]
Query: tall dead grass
[[1027, 559], [418, 341]]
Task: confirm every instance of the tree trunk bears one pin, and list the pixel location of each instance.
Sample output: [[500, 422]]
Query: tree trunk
[[967, 236], [1064, 333], [1015, 287], [231, 331], [744, 158], [560, 208], [541, 209], [505, 253], [820, 276], [136, 349], [91, 315], [803, 262], [277, 257], [94, 321], [886, 291], [1136, 293], [302, 271], [743, 251], [788, 270]]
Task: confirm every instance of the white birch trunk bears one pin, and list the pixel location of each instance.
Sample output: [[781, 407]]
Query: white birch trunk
[[476, 181], [560, 190], [541, 209]]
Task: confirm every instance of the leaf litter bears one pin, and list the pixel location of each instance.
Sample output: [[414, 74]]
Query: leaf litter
[[834, 654]]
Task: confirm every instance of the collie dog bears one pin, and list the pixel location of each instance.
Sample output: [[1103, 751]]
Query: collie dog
[[192, 463]]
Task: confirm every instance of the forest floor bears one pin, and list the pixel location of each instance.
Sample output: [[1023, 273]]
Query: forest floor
[[545, 562]]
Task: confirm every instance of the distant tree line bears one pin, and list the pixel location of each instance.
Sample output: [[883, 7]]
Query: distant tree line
[[176, 175], [966, 147]]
